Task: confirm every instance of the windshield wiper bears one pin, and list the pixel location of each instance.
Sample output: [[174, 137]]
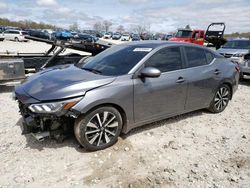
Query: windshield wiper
[[92, 70]]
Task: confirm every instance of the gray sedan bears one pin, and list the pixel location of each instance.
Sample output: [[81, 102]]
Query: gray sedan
[[122, 88], [238, 50]]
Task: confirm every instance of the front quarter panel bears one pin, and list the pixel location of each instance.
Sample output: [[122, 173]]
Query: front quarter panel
[[119, 92]]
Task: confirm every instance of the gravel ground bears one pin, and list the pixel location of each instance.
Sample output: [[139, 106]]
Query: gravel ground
[[197, 149]]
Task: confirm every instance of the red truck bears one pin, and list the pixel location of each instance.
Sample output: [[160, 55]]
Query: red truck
[[213, 36]]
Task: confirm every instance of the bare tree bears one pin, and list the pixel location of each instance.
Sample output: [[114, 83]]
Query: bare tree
[[98, 26], [106, 25], [139, 29], [120, 29], [74, 26]]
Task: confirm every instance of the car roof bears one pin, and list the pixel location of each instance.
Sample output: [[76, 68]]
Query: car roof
[[157, 43], [13, 30]]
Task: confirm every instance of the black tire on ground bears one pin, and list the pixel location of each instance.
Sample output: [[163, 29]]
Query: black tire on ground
[[220, 99], [241, 77], [16, 39], [99, 128]]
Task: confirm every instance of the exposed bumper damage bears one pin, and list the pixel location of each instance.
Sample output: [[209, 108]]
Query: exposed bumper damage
[[47, 125]]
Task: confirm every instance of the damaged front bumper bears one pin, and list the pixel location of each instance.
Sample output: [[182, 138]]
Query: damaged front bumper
[[41, 125]]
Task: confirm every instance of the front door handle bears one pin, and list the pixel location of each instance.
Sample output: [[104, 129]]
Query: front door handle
[[180, 80], [217, 71]]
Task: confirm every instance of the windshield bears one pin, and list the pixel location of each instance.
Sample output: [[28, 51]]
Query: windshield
[[238, 44], [117, 60], [183, 34]]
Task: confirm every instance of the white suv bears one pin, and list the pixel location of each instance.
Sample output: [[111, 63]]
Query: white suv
[[15, 35], [125, 37]]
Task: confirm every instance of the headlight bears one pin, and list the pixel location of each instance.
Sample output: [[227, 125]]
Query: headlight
[[53, 106]]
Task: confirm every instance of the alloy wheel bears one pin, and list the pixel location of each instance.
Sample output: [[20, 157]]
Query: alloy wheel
[[221, 98], [101, 128]]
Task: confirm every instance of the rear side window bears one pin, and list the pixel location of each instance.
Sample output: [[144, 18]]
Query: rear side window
[[195, 56], [209, 56], [167, 59], [24, 33]]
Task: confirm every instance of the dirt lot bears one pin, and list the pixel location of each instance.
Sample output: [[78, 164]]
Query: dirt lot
[[198, 149]]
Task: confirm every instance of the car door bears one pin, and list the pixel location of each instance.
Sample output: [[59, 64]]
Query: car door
[[12, 35], [203, 77], [164, 95], [7, 35]]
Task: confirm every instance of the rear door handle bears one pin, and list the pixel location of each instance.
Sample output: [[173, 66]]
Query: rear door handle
[[180, 80], [216, 72]]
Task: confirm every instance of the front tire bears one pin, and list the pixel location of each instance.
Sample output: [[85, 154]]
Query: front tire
[[99, 128], [221, 99]]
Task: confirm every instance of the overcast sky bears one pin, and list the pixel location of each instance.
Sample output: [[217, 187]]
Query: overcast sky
[[161, 15]]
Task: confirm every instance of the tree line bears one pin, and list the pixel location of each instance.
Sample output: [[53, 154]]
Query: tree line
[[26, 24], [237, 34]]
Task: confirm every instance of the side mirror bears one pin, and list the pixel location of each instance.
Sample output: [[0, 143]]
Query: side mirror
[[150, 72]]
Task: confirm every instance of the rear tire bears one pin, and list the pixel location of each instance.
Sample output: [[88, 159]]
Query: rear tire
[[99, 128], [16, 39], [221, 99]]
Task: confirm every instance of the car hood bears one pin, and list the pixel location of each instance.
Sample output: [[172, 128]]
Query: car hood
[[232, 51], [62, 82]]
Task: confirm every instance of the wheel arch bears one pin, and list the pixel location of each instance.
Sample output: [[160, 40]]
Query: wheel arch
[[230, 86]]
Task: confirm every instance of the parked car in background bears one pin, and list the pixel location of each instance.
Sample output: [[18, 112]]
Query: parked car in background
[[39, 34], [1, 35], [16, 35], [83, 37], [168, 36], [108, 35], [62, 35], [116, 36], [124, 87], [125, 37], [238, 50], [135, 37], [145, 36]]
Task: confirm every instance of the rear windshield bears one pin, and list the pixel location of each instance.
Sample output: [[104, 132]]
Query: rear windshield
[[238, 44], [117, 60]]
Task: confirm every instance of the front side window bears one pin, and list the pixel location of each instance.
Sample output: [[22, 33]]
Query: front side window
[[195, 56], [117, 60], [167, 59]]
